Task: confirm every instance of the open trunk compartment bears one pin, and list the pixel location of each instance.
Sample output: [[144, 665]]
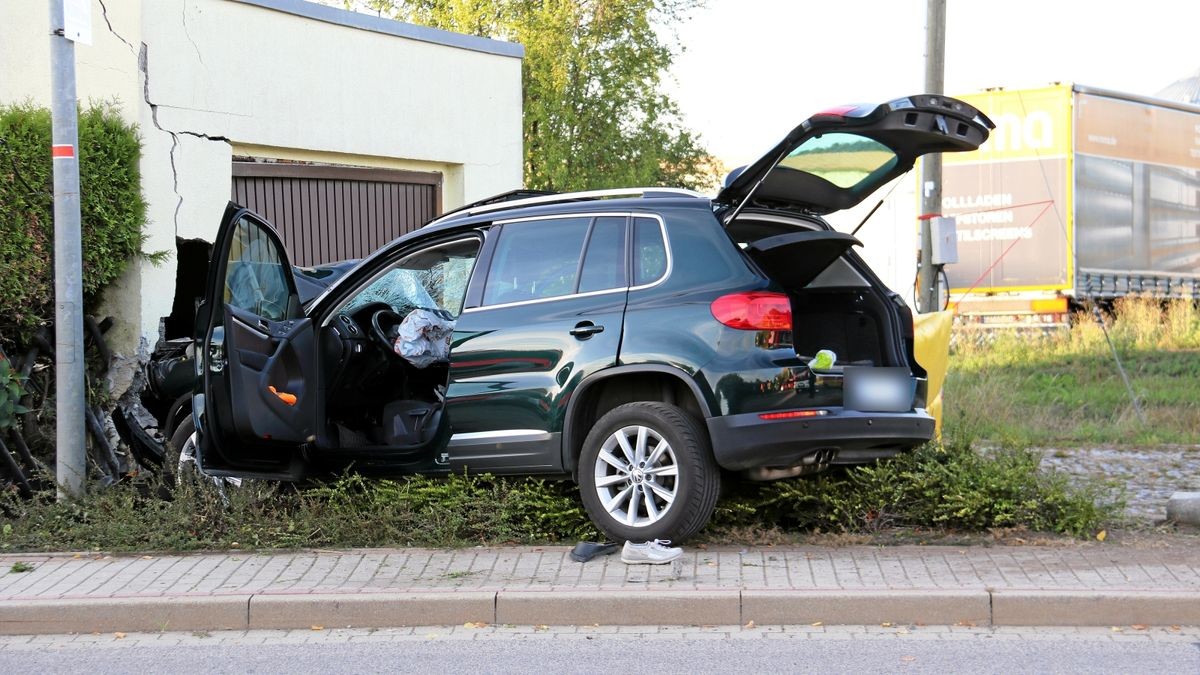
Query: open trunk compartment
[[842, 312], [850, 322]]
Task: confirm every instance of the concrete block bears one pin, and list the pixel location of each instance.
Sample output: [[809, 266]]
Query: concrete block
[[1095, 608], [866, 607], [628, 608], [1184, 507], [371, 610], [26, 617]]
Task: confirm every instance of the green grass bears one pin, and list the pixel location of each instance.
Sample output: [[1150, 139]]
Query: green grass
[[1065, 388]]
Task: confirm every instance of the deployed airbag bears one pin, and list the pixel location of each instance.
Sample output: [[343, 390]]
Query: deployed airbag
[[424, 337]]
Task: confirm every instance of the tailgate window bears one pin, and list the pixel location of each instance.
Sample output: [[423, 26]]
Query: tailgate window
[[842, 159]]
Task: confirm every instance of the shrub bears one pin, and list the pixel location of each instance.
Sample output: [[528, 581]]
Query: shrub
[[12, 388], [112, 209], [950, 487]]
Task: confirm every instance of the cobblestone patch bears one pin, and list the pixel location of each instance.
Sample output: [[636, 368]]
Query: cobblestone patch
[[1150, 475]]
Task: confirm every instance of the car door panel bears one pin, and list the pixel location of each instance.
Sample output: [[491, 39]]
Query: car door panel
[[266, 373], [259, 393], [512, 372]]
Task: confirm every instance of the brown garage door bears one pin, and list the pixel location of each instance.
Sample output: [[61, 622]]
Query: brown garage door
[[330, 213]]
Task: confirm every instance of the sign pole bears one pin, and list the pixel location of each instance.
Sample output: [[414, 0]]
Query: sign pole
[[931, 165], [71, 392]]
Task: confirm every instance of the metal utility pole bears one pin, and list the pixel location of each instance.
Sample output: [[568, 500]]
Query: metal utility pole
[[68, 263], [931, 165]]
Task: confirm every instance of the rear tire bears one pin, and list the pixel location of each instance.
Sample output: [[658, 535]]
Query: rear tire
[[647, 472]]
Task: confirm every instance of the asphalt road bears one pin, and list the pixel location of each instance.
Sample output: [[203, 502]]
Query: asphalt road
[[723, 649]]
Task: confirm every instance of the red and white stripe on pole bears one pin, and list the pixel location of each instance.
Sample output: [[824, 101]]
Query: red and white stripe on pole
[[62, 151]]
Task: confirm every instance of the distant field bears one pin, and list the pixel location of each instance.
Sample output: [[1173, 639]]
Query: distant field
[[840, 168], [1065, 389]]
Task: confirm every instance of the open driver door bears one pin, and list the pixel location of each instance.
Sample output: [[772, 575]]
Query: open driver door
[[258, 385]]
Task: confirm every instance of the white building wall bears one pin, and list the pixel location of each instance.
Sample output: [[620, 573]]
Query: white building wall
[[273, 78], [105, 70]]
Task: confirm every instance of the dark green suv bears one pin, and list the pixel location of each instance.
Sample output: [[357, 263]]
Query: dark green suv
[[640, 342]]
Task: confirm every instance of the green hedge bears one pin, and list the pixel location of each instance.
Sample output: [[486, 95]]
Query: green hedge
[[112, 209], [951, 488]]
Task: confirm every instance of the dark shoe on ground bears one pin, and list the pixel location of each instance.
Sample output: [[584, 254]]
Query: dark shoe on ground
[[586, 550]]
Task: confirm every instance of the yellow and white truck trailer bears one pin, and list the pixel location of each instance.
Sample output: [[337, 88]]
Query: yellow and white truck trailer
[[1080, 194]]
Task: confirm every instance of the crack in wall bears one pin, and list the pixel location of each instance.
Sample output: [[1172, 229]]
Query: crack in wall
[[144, 68], [104, 13], [189, 36], [206, 137]]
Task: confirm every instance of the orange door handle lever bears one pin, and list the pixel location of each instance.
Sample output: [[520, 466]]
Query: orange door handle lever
[[287, 398]]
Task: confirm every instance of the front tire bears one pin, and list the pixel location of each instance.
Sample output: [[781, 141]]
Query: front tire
[[180, 463], [647, 472]]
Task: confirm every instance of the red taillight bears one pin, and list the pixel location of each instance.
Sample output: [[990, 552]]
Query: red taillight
[[754, 311], [792, 414]]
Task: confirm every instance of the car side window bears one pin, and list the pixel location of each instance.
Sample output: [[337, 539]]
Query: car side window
[[649, 252], [535, 259], [255, 279], [431, 278], [604, 262]]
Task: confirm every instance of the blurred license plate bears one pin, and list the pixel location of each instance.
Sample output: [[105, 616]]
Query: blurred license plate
[[878, 389]]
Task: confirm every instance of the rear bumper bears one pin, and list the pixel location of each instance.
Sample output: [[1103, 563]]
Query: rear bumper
[[747, 441]]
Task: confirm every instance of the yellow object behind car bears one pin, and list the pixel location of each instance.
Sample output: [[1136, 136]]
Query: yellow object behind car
[[932, 333]]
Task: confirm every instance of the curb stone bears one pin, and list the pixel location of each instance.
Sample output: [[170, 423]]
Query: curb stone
[[1094, 608], [1184, 507], [619, 608], [867, 607], [370, 610], [103, 615], [1009, 607]]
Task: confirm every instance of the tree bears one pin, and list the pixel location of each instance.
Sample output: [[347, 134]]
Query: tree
[[594, 113]]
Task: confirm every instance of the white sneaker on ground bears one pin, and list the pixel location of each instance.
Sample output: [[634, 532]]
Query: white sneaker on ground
[[655, 552]]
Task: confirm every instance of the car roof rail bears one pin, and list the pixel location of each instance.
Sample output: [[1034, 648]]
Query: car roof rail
[[566, 197], [511, 195]]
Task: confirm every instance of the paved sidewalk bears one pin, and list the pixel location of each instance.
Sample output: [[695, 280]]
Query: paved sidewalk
[[1079, 585]]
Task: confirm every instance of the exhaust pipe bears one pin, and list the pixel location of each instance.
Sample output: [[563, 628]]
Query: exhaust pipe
[[811, 463]]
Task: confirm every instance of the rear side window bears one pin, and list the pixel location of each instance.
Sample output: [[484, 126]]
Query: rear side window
[[604, 263], [536, 259], [649, 252]]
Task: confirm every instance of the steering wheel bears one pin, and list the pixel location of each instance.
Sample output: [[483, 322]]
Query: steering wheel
[[381, 321]]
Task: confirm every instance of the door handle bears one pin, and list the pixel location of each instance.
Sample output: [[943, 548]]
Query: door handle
[[586, 329]]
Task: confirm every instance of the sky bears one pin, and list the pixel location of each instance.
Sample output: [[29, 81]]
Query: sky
[[753, 69]]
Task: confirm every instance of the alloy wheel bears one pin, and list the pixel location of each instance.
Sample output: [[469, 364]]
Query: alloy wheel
[[636, 476]]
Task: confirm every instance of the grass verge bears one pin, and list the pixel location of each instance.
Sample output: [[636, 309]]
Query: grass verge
[[1064, 388]]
